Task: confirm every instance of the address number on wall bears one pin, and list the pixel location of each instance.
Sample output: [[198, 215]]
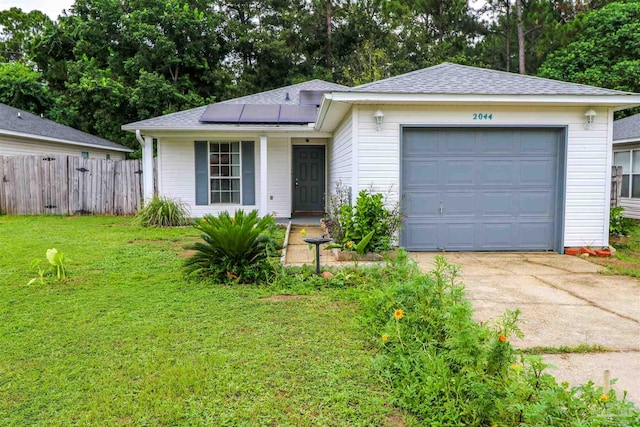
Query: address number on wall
[[482, 116]]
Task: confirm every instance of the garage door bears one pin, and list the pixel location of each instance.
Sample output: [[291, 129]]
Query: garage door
[[470, 189]]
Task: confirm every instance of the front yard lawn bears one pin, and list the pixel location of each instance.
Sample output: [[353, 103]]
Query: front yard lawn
[[127, 341]]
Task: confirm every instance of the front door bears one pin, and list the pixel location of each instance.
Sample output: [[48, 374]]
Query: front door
[[308, 179]]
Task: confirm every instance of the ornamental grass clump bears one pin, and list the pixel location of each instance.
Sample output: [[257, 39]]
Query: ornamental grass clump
[[235, 249], [162, 212], [447, 369]]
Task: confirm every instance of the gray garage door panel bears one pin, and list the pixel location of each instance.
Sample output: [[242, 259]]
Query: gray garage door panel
[[480, 189]]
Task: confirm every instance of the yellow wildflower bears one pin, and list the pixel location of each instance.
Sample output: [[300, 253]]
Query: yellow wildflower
[[385, 338], [303, 231], [604, 398], [398, 313], [516, 366], [349, 244]]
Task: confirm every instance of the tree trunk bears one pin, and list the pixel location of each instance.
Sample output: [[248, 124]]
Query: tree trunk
[[329, 33], [508, 35], [521, 61]]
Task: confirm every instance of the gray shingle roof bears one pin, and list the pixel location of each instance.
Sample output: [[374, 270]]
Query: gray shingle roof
[[279, 96], [448, 78], [627, 128], [31, 124], [191, 118]]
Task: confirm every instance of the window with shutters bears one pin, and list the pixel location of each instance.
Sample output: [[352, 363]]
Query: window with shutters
[[225, 172]]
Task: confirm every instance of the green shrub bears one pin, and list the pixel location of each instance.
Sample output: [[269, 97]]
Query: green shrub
[[235, 249], [162, 212], [618, 224], [446, 369], [353, 224]]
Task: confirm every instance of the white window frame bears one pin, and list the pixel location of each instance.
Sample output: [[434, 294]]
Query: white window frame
[[629, 195], [211, 178]]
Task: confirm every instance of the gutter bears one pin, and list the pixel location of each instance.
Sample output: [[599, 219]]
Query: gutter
[[324, 110]]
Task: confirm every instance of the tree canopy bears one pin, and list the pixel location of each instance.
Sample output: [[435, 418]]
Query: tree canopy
[[605, 52], [109, 62]]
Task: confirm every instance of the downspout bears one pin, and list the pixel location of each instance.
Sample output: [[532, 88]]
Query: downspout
[[147, 165], [139, 137]]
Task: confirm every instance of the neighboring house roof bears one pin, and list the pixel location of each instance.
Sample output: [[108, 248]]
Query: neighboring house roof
[[191, 118], [448, 78], [627, 128], [20, 123]]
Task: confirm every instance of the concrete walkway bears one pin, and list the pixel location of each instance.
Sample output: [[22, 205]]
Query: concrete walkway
[[564, 300]]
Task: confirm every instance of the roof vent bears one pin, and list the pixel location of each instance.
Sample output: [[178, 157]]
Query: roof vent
[[41, 116], [286, 97], [19, 115]]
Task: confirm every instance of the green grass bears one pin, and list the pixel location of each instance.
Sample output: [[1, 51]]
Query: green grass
[[127, 341], [563, 349], [626, 262]]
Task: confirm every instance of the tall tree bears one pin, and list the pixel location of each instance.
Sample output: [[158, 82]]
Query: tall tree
[[17, 29], [606, 52], [23, 88], [166, 53]]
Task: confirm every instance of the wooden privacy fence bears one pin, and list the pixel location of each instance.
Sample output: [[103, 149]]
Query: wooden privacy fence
[[47, 184], [616, 185]]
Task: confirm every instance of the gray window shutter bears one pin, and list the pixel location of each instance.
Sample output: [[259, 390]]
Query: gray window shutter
[[248, 173], [202, 173]]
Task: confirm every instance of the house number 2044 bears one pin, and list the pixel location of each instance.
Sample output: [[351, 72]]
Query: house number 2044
[[482, 116]]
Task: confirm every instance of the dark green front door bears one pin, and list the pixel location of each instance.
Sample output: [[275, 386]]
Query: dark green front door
[[308, 179]]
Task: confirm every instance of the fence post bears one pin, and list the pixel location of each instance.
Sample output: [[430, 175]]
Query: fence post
[[616, 185]]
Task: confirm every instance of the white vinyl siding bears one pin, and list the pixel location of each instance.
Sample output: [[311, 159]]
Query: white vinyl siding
[[27, 147], [586, 201], [279, 177], [340, 155], [177, 179]]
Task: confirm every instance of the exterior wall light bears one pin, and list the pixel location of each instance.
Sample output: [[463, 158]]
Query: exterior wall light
[[379, 118], [590, 117]]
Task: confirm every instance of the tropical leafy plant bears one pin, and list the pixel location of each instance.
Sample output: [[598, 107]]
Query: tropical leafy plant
[[369, 218], [56, 268], [618, 224], [162, 212], [234, 249]]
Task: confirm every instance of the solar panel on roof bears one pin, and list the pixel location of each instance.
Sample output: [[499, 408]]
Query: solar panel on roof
[[222, 113], [297, 113], [256, 113], [312, 97], [259, 113]]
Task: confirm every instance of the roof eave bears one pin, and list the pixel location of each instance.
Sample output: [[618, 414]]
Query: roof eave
[[191, 131], [613, 100], [627, 140], [63, 141], [336, 104]]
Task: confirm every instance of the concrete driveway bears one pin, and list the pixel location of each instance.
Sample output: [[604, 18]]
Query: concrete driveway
[[565, 301]]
